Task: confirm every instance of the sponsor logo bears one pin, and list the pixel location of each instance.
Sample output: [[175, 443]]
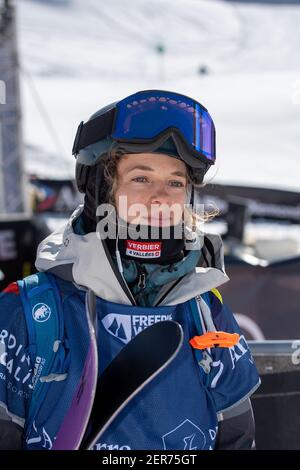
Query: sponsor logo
[[39, 436], [14, 361], [118, 326], [186, 436], [41, 312], [235, 353], [238, 351], [219, 366], [126, 327], [143, 249], [206, 362], [37, 370], [103, 446]]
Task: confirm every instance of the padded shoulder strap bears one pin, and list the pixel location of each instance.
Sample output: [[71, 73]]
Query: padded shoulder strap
[[204, 308], [43, 312]]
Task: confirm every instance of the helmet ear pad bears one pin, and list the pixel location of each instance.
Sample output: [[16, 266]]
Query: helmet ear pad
[[197, 175], [82, 176], [91, 181]]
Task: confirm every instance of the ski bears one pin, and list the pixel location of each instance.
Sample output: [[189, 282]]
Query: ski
[[139, 362], [76, 420]]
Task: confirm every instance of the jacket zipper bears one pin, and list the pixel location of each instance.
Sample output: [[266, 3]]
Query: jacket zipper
[[121, 279], [142, 281]]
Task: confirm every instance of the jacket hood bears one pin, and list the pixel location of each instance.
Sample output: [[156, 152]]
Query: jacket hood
[[84, 260]]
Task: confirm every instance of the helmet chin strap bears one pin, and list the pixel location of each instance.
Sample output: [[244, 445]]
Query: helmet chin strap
[[192, 198], [118, 256]]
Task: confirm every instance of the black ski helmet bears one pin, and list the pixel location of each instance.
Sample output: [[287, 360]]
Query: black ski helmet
[[94, 139]]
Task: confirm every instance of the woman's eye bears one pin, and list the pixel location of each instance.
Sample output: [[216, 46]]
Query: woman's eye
[[177, 184], [140, 179]]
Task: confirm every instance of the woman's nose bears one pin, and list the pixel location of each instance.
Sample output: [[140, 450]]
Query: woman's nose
[[160, 194]]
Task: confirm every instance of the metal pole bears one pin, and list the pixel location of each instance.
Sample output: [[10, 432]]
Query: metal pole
[[12, 175]]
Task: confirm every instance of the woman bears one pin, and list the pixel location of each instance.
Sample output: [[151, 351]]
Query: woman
[[136, 246]]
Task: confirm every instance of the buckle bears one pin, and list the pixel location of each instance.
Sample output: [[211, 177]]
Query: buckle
[[215, 339]]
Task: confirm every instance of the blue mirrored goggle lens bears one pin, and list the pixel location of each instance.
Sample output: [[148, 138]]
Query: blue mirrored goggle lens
[[145, 115]]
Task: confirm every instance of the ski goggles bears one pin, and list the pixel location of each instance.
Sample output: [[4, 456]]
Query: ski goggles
[[149, 116]]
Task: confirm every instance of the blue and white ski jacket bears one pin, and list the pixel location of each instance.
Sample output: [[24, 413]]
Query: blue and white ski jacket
[[180, 409]]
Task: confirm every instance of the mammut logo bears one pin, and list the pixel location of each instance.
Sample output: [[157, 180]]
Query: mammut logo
[[41, 312], [186, 436], [126, 327]]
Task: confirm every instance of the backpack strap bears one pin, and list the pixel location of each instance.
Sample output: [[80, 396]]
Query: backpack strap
[[203, 358], [43, 313], [208, 337], [204, 303]]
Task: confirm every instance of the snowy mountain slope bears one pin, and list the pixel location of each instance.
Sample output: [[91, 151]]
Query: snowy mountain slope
[[81, 55]]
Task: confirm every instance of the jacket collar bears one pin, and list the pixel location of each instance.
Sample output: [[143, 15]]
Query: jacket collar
[[83, 259]]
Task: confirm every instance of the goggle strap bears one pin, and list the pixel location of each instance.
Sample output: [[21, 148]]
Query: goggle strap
[[94, 130]]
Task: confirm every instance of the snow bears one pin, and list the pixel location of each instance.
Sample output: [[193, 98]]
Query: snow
[[81, 55]]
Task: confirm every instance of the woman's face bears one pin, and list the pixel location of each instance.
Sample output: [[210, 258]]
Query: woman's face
[[155, 181]]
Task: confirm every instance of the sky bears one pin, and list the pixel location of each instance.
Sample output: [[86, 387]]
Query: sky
[[78, 56]]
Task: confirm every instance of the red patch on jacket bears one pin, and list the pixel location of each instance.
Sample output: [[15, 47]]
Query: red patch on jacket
[[12, 288]]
